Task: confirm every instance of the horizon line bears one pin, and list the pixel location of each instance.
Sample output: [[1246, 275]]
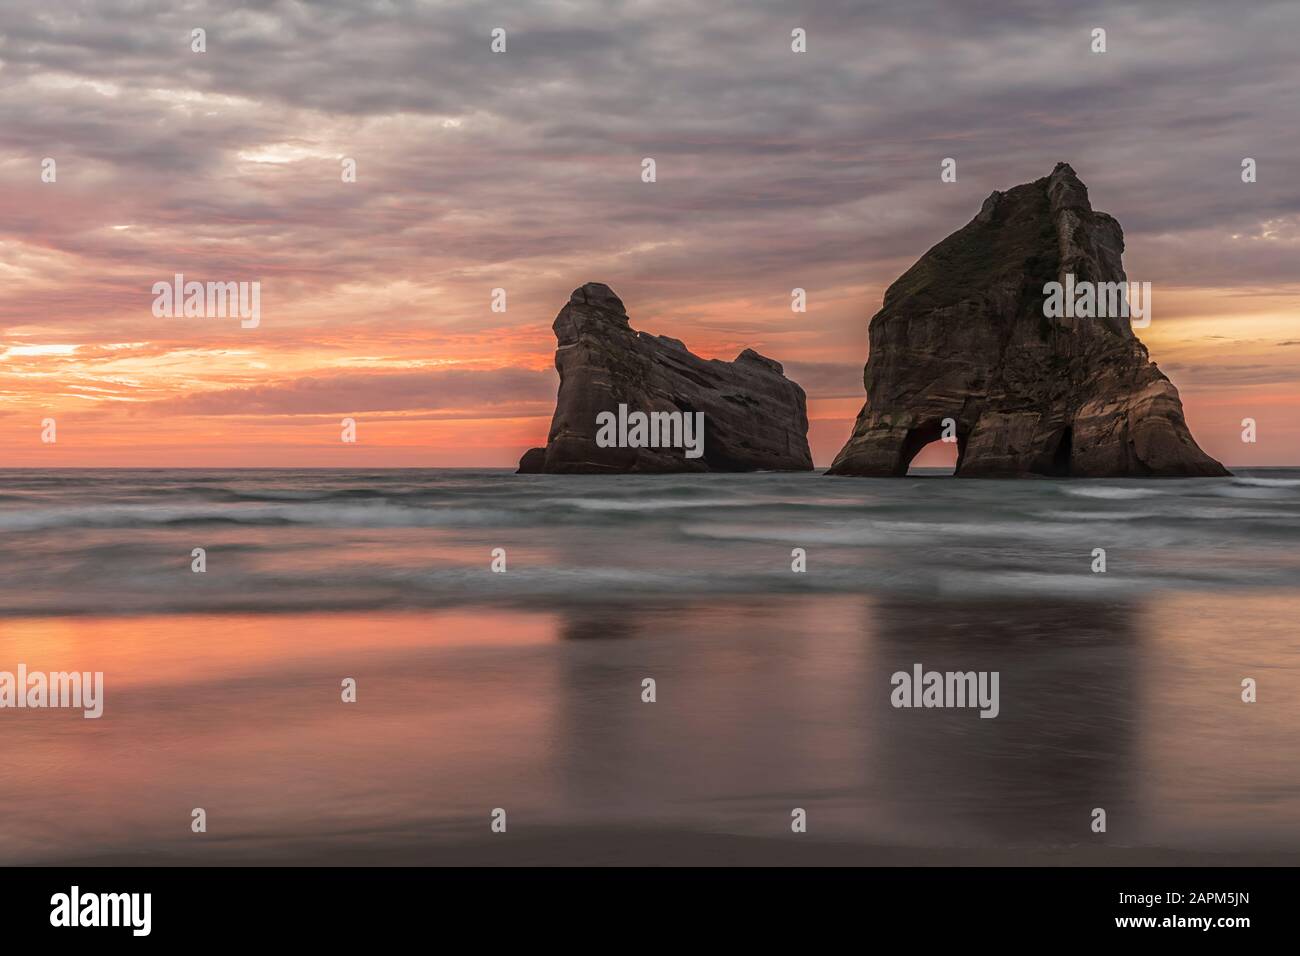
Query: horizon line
[[511, 468]]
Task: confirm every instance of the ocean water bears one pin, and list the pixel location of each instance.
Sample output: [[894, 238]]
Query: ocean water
[[522, 690], [119, 542]]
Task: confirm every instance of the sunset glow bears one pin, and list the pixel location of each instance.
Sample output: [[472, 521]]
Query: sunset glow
[[375, 293]]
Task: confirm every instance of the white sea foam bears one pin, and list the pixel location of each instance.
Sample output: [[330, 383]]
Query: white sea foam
[[647, 504], [1268, 482], [1109, 492], [1072, 516], [376, 515]]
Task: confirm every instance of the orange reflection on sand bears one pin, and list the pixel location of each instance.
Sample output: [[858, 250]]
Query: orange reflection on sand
[[178, 648]]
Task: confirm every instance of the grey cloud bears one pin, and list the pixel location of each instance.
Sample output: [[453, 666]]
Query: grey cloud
[[774, 168]]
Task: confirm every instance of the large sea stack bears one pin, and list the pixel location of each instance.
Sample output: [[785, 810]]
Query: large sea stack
[[754, 417], [963, 335]]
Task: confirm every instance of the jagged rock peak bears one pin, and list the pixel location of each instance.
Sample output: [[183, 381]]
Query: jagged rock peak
[[598, 296]]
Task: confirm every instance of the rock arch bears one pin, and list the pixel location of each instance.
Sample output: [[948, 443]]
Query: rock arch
[[963, 334]]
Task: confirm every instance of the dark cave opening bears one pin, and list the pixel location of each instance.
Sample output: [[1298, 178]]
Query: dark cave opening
[[1060, 467]]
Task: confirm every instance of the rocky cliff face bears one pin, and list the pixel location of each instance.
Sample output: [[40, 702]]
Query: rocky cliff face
[[963, 335], [753, 416]]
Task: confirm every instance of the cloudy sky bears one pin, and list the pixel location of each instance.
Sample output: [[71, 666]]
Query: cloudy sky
[[522, 170]]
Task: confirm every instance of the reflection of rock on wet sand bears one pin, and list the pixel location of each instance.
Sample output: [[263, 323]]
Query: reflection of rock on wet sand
[[754, 716], [1065, 739], [599, 624], [771, 703]]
